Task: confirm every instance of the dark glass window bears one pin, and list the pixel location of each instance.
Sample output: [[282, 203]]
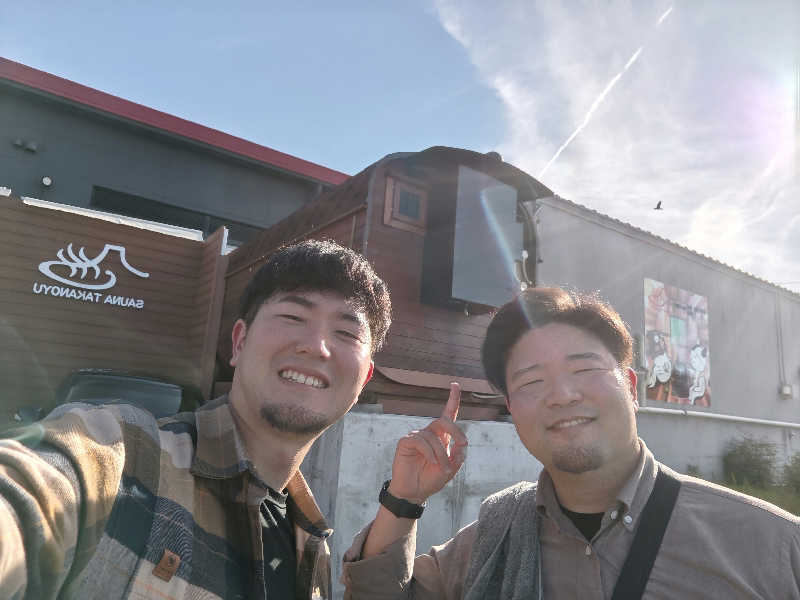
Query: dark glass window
[[405, 205], [409, 204], [130, 205]]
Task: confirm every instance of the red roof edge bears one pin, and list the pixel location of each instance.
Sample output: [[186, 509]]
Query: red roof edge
[[64, 88]]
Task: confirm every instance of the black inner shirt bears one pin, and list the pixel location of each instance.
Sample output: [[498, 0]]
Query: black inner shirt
[[587, 523], [277, 536]]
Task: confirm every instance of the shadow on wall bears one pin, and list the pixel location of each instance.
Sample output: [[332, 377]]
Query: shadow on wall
[[24, 379]]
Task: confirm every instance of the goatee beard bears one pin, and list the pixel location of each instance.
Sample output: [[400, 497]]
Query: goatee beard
[[577, 460], [294, 419]]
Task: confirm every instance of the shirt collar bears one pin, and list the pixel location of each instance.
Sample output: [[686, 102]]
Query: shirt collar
[[220, 450], [547, 503], [634, 494], [307, 514], [546, 500], [220, 454]]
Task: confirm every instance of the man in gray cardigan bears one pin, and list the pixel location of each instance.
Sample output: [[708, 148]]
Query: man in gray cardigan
[[563, 362]]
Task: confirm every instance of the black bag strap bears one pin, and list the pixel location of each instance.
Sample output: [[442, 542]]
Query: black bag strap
[[644, 549]]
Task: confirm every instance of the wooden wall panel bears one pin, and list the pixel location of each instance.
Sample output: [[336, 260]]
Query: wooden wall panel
[[170, 314], [44, 338], [209, 308], [440, 336], [404, 359], [67, 222], [397, 398], [423, 337]]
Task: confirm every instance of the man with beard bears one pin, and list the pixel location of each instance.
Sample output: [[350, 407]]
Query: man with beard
[[105, 502], [605, 520]]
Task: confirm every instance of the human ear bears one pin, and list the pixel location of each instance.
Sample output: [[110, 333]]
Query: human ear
[[238, 333]]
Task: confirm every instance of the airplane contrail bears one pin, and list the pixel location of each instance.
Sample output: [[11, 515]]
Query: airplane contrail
[[600, 99], [632, 59], [592, 108]]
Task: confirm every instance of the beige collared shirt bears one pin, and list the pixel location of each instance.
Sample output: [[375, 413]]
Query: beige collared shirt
[[719, 544]]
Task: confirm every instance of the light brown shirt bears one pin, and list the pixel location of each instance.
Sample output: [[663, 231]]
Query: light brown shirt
[[719, 544]]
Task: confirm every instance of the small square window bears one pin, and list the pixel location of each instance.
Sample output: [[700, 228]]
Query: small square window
[[405, 205], [408, 204]]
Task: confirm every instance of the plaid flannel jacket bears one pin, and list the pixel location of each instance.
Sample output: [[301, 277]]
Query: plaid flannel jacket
[[107, 502]]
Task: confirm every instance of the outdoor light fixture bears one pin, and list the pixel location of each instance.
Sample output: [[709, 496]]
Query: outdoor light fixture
[[47, 181]]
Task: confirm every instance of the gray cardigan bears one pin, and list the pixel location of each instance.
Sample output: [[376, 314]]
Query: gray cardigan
[[506, 559]]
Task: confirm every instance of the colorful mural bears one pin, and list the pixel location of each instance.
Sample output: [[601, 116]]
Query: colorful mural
[[676, 345]]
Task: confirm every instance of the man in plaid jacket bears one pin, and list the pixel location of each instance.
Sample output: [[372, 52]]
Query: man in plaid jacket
[[107, 502]]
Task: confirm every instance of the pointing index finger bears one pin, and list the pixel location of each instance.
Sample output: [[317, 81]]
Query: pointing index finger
[[453, 402]]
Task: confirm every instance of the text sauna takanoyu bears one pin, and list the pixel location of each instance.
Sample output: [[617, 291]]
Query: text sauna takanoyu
[[87, 295]]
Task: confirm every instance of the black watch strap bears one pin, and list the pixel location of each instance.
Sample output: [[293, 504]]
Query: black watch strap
[[397, 506]]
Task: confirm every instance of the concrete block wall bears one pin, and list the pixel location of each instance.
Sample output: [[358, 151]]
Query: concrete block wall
[[679, 441]]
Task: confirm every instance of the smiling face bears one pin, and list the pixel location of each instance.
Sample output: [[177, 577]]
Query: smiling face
[[573, 407], [301, 363]]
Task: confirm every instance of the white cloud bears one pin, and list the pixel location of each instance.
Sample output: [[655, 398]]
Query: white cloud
[[701, 120]]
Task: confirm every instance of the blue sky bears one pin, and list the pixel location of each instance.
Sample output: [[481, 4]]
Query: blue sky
[[703, 117]]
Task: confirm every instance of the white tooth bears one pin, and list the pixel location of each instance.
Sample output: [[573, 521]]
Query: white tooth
[[571, 423], [301, 378]]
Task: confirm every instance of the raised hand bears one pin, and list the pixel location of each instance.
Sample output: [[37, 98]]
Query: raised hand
[[426, 460]]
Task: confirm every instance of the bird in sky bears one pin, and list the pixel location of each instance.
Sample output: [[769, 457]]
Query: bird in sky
[[658, 206]]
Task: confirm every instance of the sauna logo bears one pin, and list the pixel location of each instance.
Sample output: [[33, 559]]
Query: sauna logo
[[84, 273]]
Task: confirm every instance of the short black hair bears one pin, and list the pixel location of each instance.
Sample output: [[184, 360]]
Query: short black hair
[[537, 307], [322, 266]]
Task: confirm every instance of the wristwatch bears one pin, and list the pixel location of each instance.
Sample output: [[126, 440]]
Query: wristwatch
[[397, 506]]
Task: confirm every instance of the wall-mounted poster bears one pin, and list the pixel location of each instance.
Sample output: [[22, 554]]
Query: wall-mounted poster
[[676, 345]]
